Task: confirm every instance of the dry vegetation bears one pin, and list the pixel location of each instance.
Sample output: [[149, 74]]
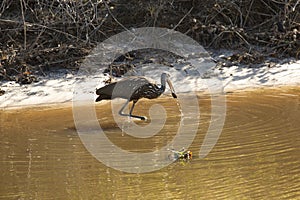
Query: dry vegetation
[[41, 35]]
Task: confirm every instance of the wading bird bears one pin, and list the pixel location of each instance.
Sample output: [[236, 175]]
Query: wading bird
[[133, 89]]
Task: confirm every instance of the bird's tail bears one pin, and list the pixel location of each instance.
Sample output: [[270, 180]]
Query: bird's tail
[[105, 92], [103, 96], [99, 98]]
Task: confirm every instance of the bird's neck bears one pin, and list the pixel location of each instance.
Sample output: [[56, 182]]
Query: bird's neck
[[163, 83], [162, 88]]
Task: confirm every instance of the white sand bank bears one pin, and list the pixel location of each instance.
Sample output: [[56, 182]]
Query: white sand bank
[[58, 88]]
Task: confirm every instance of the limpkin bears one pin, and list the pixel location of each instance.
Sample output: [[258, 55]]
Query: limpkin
[[133, 89]]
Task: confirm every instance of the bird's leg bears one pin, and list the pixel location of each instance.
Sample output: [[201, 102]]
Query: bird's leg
[[135, 116], [121, 110], [131, 109], [130, 113]]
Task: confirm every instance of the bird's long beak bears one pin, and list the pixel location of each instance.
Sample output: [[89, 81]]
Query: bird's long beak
[[172, 88]]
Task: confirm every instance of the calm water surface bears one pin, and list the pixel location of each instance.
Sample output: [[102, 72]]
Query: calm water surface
[[257, 155]]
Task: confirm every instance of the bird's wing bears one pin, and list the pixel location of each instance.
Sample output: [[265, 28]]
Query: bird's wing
[[124, 88], [106, 90]]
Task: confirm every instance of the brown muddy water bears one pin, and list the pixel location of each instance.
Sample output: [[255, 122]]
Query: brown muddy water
[[256, 157]]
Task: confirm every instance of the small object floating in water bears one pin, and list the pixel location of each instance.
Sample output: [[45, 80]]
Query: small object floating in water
[[180, 155]]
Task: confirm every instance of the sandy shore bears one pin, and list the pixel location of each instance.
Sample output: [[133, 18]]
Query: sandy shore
[[57, 88]]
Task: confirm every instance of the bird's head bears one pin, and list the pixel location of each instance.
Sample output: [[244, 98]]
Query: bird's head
[[166, 78]]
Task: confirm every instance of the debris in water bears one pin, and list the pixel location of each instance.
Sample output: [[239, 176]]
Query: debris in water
[[180, 155]]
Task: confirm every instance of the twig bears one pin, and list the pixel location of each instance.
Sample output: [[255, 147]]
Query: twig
[[240, 36], [180, 21], [223, 14], [98, 27], [216, 37], [263, 23], [116, 20], [160, 7], [24, 23], [38, 37], [4, 6], [263, 1], [237, 33], [43, 26], [248, 12], [295, 5]]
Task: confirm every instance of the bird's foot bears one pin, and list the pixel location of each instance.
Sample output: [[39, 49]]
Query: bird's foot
[[138, 117], [143, 118]]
